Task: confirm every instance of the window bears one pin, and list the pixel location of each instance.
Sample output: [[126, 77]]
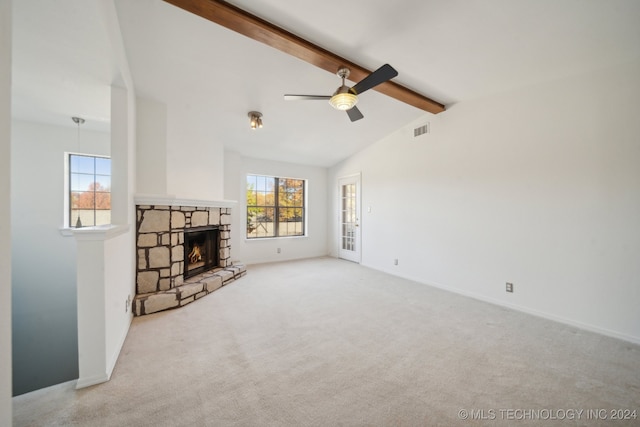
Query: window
[[89, 190], [275, 207]]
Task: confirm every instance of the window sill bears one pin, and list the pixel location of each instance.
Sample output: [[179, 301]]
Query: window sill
[[262, 239]]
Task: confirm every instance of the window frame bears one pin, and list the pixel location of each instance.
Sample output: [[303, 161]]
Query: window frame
[[276, 207], [69, 221]]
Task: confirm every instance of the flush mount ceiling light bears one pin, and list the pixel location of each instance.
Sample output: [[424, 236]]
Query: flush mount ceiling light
[[256, 119]]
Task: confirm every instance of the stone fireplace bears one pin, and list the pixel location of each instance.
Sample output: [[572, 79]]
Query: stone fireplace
[[184, 253]]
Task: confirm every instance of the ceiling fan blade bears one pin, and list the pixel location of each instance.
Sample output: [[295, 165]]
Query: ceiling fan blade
[[354, 114], [379, 76], [306, 97]]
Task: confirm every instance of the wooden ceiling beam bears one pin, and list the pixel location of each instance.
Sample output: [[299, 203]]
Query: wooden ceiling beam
[[243, 22]]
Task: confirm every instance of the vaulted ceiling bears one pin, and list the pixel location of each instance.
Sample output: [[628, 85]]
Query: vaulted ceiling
[[450, 51]]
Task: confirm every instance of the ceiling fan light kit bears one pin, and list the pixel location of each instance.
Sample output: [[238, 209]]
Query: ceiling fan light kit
[[343, 101], [343, 98]]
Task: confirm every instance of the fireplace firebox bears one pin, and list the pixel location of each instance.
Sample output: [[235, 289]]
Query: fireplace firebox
[[201, 250]]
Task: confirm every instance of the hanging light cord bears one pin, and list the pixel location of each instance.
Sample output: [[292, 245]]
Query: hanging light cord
[[78, 121]]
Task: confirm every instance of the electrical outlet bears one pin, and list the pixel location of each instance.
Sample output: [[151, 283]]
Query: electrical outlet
[[127, 303], [278, 250], [509, 287], [395, 261]]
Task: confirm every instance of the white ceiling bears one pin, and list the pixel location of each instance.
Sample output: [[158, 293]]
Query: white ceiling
[[449, 50]]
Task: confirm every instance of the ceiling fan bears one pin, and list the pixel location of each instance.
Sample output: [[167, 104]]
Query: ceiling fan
[[345, 97]]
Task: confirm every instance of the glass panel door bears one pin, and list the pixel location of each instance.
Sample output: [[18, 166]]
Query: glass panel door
[[350, 218]]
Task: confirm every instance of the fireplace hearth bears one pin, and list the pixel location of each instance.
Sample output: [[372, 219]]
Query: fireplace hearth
[[184, 253]]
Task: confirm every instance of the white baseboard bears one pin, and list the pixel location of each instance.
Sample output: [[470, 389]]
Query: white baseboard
[[114, 357], [92, 380], [542, 314], [534, 312]]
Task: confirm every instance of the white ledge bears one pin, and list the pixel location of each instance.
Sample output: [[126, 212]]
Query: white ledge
[[100, 232], [167, 200]]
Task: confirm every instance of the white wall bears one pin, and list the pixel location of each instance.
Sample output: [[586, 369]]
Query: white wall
[[538, 186], [5, 213], [104, 312], [195, 158], [177, 153], [265, 250], [120, 253], [151, 147], [119, 290], [43, 261]]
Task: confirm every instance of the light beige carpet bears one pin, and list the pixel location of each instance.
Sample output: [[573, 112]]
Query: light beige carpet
[[325, 342]]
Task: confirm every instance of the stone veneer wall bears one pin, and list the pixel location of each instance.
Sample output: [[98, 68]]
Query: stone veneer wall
[[160, 239]]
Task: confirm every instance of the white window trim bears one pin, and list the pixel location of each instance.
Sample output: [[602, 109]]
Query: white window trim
[[244, 210], [65, 177]]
